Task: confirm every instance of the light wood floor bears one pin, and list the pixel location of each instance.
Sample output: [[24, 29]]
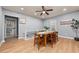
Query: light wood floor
[[26, 46]]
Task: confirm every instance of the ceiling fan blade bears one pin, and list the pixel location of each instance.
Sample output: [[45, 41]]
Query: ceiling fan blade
[[38, 11], [43, 8], [41, 14], [47, 13], [49, 10]]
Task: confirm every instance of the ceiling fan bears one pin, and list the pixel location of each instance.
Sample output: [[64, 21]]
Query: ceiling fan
[[44, 11]]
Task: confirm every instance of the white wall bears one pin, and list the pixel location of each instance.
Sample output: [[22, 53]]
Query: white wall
[[1, 26], [51, 24], [64, 30], [31, 24], [34, 24]]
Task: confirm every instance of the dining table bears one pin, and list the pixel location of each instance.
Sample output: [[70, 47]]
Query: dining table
[[45, 36]]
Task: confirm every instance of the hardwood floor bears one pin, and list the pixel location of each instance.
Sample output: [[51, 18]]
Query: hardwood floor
[[26, 46]]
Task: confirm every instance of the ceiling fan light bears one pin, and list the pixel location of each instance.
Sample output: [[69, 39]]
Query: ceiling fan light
[[64, 9], [22, 8], [43, 12]]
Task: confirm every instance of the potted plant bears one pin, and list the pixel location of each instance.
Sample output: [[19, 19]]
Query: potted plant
[[75, 26], [46, 27]]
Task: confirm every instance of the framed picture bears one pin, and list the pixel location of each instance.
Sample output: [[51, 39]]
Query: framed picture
[[65, 22]]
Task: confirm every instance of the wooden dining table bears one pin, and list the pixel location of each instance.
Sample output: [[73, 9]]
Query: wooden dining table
[[45, 36]]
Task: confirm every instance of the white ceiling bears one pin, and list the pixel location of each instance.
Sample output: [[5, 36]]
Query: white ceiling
[[30, 10]]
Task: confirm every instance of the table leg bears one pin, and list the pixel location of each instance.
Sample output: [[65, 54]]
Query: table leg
[[38, 42], [45, 40]]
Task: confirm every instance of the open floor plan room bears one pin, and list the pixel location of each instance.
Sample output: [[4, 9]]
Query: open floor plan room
[[39, 29]]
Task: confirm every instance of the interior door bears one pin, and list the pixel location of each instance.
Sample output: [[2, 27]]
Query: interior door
[[11, 27]]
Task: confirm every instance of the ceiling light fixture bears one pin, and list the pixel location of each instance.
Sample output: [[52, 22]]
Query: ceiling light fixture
[[22, 8], [64, 9]]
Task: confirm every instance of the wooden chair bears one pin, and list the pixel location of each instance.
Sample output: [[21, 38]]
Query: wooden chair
[[35, 38], [48, 38], [54, 37], [38, 39]]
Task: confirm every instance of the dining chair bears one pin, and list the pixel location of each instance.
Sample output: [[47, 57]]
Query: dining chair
[[53, 38], [38, 40], [48, 38], [56, 36], [35, 38]]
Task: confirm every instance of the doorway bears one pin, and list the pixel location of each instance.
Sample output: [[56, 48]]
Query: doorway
[[11, 27]]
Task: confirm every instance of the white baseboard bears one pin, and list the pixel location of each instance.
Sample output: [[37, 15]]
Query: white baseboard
[[21, 38], [66, 37], [58, 36], [2, 42], [26, 38], [31, 38]]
